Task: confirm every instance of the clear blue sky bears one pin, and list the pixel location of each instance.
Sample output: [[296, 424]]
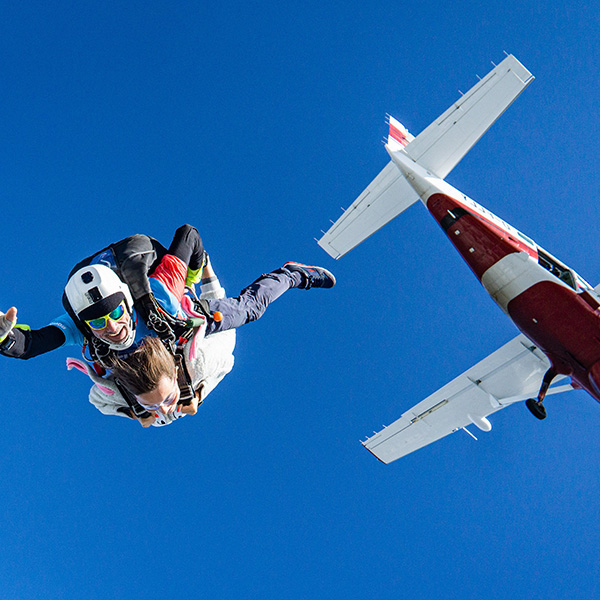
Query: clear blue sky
[[256, 122]]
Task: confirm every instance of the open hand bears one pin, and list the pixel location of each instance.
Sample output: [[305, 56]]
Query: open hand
[[7, 322]]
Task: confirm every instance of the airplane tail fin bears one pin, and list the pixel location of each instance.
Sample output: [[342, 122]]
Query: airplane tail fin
[[438, 148], [398, 136]]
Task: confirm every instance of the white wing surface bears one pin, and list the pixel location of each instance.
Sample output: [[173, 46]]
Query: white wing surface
[[438, 148], [441, 146], [386, 197], [511, 374]]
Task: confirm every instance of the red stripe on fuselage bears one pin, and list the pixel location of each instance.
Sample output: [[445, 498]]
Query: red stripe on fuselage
[[566, 328], [489, 243]]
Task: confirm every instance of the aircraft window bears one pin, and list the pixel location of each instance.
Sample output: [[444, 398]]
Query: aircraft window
[[568, 278], [557, 269]]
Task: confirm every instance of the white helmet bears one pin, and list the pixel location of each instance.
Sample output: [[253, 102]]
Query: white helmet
[[95, 291]]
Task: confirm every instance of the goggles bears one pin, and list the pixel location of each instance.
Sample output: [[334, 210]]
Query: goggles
[[168, 401], [101, 322]]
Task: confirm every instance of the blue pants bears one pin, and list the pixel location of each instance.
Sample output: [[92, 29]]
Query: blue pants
[[252, 301]]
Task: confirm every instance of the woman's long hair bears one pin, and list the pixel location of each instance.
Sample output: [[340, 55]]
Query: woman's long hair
[[141, 371]]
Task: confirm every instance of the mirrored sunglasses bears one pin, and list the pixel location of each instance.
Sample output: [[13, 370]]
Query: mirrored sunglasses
[[102, 322]]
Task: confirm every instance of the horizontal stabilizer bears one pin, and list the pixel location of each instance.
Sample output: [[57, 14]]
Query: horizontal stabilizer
[[385, 198], [438, 149], [512, 373], [441, 146]]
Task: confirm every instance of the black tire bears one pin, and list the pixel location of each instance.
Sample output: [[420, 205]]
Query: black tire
[[536, 409]]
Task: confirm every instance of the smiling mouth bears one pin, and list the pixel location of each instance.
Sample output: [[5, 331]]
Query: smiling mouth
[[118, 337]]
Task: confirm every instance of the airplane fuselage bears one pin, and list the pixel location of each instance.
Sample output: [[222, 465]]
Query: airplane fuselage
[[548, 302]]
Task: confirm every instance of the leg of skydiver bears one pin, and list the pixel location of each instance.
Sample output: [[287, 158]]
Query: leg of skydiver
[[253, 300], [187, 246], [183, 262], [209, 281]]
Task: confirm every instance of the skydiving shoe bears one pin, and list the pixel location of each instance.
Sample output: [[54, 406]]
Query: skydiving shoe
[[312, 277]]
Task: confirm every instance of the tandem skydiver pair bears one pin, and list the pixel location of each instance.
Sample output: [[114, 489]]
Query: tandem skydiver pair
[[153, 346]]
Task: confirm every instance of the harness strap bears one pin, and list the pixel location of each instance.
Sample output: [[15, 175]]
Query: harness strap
[[166, 326], [136, 408], [184, 381]]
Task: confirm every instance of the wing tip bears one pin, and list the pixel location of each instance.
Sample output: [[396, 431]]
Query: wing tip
[[364, 444], [328, 248]]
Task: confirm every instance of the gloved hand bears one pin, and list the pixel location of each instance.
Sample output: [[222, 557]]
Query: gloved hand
[[7, 322]]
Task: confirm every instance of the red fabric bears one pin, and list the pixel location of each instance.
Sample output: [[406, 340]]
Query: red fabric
[[172, 272]]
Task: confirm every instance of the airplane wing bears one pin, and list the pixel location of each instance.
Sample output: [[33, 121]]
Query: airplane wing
[[513, 373], [439, 148], [385, 198]]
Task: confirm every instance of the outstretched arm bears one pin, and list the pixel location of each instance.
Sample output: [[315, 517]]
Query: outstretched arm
[[19, 341]]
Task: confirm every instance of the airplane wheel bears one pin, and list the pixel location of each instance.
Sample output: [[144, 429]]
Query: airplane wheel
[[536, 408]]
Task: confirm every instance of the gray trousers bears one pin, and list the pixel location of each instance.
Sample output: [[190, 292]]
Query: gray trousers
[[252, 301]]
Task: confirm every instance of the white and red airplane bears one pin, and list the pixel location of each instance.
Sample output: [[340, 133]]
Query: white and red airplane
[[556, 310]]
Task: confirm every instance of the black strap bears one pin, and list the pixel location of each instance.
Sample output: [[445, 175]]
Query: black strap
[[8, 342], [184, 381], [136, 408], [159, 321]]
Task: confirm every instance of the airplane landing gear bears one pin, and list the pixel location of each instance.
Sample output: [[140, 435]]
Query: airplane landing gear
[[535, 406]]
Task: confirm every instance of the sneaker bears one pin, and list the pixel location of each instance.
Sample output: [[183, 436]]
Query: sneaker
[[312, 277]]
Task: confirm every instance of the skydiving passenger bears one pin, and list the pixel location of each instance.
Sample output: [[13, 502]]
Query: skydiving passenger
[[105, 317]]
